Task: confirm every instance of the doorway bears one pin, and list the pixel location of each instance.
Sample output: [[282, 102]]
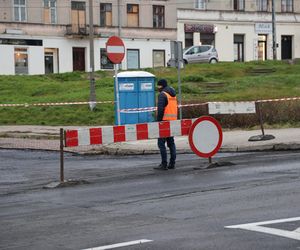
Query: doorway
[[262, 47], [286, 47], [78, 59], [238, 47], [49, 68]]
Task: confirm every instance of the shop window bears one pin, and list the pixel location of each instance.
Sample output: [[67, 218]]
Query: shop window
[[262, 5], [21, 61], [158, 58], [238, 48], [105, 14], [132, 15], [207, 38], [105, 62], [133, 59], [239, 5], [287, 5], [20, 10], [188, 39], [158, 16], [50, 11]]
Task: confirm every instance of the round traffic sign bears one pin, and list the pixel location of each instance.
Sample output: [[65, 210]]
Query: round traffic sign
[[115, 49], [205, 136]]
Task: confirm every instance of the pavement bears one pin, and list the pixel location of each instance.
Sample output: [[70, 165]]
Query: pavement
[[47, 138]]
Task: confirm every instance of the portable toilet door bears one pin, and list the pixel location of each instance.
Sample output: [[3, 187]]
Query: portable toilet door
[[136, 90]]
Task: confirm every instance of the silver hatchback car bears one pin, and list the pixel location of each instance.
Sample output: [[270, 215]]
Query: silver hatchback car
[[200, 54]]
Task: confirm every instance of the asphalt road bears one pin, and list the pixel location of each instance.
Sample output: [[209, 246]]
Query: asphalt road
[[190, 207]]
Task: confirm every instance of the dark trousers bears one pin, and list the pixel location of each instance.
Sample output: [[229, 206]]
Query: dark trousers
[[163, 151]]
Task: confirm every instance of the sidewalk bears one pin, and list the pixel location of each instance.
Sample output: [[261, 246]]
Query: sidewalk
[[47, 138]]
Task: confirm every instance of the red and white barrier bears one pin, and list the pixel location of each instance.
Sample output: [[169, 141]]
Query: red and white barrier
[[123, 133]]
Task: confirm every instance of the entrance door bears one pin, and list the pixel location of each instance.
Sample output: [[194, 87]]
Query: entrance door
[[238, 48], [49, 63], [286, 47], [78, 59], [262, 47]]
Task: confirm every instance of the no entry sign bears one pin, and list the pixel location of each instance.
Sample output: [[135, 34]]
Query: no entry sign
[[115, 49], [205, 136]]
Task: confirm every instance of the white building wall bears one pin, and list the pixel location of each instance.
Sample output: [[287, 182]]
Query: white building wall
[[289, 30], [7, 64], [64, 46]]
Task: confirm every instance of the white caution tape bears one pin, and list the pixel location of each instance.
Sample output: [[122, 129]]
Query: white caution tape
[[280, 99], [147, 109], [52, 104]]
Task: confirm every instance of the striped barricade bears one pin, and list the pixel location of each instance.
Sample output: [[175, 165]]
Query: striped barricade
[[124, 133]]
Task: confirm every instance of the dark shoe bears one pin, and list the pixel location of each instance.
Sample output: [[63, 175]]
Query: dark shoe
[[171, 166], [161, 167]]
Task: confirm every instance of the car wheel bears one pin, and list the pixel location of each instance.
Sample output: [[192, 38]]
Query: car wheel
[[185, 61], [213, 60]]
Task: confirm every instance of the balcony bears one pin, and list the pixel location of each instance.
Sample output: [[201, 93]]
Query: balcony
[[80, 31], [75, 30]]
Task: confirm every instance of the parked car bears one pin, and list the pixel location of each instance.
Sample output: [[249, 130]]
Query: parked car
[[199, 54]]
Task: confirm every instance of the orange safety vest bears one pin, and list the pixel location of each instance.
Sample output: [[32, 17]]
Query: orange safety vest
[[171, 109]]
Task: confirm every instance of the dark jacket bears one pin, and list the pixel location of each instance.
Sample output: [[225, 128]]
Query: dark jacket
[[162, 101]]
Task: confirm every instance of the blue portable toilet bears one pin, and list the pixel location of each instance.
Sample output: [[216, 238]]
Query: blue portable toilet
[[136, 90]]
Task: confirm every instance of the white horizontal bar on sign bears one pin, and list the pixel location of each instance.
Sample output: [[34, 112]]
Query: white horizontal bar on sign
[[115, 49], [231, 107]]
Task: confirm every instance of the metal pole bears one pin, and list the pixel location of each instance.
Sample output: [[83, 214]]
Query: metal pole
[[179, 89], [62, 177], [209, 160], [119, 19], [117, 94], [92, 103], [274, 30], [258, 109]]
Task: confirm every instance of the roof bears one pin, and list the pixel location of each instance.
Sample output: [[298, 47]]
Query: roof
[[135, 74]]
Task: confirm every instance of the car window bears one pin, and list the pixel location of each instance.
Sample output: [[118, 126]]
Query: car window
[[204, 48], [192, 51]]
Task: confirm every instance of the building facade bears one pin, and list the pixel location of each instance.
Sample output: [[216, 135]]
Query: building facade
[[51, 36], [241, 30]]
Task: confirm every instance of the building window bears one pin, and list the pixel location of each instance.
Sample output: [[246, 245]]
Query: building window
[[238, 48], [158, 16], [21, 61], [105, 14], [78, 17], [132, 15], [105, 62], [200, 4], [50, 11], [239, 5], [133, 59], [262, 5], [20, 10], [287, 5], [158, 58]]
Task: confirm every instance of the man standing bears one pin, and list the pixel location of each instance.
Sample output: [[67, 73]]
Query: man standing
[[166, 111]]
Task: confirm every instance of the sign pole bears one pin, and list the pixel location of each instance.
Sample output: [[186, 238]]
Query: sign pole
[[117, 94], [115, 52]]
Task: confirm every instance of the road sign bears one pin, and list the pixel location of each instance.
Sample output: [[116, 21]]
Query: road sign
[[115, 49], [205, 136]]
